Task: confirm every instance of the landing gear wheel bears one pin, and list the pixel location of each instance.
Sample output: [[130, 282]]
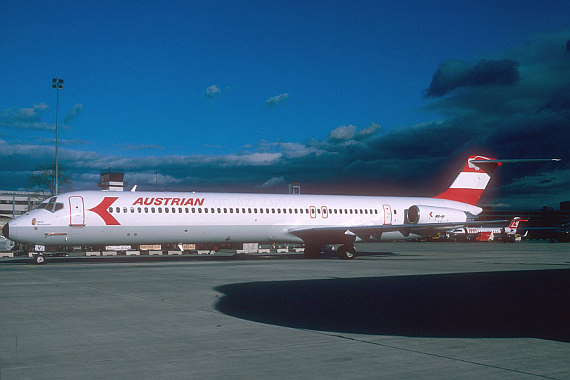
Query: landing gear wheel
[[346, 252], [39, 260], [312, 251]]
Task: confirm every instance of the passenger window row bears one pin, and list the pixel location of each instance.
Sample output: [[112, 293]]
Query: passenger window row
[[237, 210]]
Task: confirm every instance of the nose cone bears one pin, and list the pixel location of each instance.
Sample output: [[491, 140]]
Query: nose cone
[[6, 231]]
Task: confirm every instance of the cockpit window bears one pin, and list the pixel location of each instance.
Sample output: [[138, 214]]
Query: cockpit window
[[52, 205]]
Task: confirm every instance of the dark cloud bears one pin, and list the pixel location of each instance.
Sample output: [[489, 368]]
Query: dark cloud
[[453, 74], [559, 101]]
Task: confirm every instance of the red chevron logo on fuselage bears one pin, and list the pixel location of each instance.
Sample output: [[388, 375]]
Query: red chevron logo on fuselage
[[102, 209]]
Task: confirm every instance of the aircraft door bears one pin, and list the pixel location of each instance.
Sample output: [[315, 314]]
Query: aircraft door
[[76, 211], [387, 214], [313, 211]]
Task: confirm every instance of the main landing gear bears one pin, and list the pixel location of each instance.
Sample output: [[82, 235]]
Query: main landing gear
[[345, 252]]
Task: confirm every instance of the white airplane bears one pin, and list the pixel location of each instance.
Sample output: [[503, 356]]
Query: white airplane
[[488, 233], [113, 218]]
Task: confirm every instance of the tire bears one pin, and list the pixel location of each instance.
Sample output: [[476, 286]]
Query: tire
[[346, 252], [39, 260]]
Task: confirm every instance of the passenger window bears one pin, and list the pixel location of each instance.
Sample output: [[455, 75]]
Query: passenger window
[[117, 209], [111, 209], [225, 210], [160, 210], [132, 210], [165, 210]]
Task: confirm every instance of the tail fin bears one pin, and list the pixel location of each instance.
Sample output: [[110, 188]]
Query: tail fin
[[472, 180], [515, 223]]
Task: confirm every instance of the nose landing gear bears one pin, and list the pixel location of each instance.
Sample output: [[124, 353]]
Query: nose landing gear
[[39, 259]]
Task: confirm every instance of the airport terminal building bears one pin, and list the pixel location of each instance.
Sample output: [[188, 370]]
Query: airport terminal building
[[14, 203]]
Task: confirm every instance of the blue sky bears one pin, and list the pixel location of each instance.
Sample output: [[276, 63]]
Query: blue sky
[[251, 95]]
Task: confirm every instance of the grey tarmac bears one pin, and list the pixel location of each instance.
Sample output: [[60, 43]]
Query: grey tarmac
[[399, 310]]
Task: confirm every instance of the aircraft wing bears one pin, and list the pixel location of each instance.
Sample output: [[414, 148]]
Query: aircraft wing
[[348, 234]]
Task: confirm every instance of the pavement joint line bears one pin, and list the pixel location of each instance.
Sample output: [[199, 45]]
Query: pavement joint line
[[431, 354]]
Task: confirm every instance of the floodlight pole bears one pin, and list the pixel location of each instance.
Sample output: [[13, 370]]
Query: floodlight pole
[[57, 84]]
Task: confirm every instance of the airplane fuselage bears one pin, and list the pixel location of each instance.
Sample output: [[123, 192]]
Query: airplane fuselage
[[109, 218]]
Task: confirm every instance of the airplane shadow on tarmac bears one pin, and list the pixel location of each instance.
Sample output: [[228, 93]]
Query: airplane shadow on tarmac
[[476, 305]]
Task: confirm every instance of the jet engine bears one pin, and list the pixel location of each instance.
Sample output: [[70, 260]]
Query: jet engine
[[430, 214]]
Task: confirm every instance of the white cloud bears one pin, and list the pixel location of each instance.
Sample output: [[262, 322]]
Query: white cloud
[[213, 91], [275, 100], [366, 132], [73, 112], [25, 118], [344, 132], [273, 182]]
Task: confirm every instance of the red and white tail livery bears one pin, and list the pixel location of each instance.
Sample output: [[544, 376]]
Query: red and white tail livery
[[99, 218], [472, 180]]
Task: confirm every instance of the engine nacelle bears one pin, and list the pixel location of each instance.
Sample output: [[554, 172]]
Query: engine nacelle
[[430, 214]]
